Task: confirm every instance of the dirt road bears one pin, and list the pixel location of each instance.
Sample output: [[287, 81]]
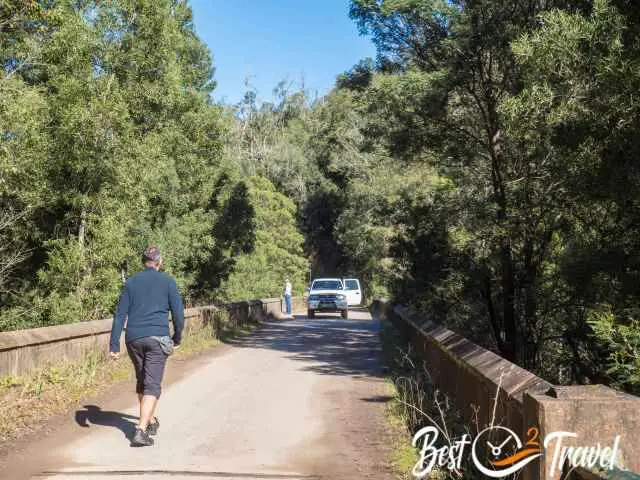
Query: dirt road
[[295, 400]]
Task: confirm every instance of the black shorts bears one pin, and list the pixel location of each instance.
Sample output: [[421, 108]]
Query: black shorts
[[148, 361]]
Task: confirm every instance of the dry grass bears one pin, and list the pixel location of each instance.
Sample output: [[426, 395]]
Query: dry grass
[[26, 402], [403, 455], [415, 403], [195, 341]]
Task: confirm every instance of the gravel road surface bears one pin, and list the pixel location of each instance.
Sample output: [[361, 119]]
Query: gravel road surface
[[300, 399]]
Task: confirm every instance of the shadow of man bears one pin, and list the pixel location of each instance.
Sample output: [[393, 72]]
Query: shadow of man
[[96, 416]]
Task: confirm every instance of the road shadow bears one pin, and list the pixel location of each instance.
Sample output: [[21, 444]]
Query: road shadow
[[378, 399], [327, 345], [94, 415]]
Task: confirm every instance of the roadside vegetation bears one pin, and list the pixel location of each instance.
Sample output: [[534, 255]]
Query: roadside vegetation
[[482, 169], [27, 402], [415, 403], [110, 141]]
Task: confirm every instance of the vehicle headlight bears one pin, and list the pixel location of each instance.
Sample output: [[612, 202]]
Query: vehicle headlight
[[341, 297], [313, 298]]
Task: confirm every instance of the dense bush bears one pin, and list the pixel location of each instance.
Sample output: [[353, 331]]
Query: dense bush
[[483, 169], [110, 141]]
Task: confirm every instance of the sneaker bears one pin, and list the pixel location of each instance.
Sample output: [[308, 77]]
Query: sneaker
[[152, 428], [141, 439]]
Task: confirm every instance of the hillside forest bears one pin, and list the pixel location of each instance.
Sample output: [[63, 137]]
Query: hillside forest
[[482, 169]]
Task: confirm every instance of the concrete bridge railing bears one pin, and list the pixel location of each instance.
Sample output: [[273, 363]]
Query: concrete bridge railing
[[472, 376], [25, 350]]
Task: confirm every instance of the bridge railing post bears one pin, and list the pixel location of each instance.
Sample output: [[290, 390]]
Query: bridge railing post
[[475, 378]]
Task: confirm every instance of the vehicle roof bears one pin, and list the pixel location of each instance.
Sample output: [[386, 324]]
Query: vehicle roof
[[327, 279]]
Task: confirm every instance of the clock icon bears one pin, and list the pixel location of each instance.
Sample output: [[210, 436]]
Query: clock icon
[[498, 451]]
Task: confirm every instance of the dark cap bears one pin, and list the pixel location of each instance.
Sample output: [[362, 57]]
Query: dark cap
[[151, 254]]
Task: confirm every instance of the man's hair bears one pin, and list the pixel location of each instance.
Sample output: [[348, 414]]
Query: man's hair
[[151, 255]]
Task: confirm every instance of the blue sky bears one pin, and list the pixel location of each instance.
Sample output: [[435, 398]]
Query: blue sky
[[272, 40]]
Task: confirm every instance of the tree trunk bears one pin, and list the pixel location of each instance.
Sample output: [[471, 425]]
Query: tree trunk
[[530, 305], [493, 317], [82, 228], [85, 268], [510, 345]]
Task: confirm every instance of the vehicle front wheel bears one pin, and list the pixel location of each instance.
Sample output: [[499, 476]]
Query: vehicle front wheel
[[345, 314], [311, 313]]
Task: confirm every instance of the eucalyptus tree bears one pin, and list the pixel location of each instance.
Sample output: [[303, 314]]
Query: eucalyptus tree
[[121, 146], [579, 112], [451, 66]]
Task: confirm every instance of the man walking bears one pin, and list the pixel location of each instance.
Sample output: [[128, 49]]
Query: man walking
[[287, 296], [146, 300]]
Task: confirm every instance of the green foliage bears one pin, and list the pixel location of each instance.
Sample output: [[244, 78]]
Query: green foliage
[[270, 140], [275, 252], [109, 141], [622, 341], [483, 169]]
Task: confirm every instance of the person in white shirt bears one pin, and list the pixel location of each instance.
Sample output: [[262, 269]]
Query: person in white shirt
[[287, 296]]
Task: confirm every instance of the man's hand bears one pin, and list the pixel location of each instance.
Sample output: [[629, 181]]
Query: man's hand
[[176, 346], [115, 355]]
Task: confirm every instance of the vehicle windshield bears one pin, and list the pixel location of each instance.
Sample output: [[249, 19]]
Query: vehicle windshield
[[351, 285], [327, 285]]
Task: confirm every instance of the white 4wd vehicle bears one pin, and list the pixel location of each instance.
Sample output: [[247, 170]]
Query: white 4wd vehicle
[[353, 291], [327, 295]]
